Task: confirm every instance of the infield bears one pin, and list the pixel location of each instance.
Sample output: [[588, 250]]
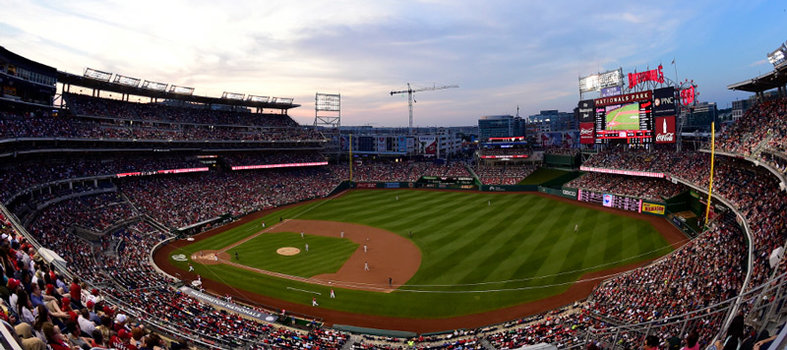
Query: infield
[[479, 251]]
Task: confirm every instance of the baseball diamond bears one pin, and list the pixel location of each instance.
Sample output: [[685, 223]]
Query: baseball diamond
[[468, 258]]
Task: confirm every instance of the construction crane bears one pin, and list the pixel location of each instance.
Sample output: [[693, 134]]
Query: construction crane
[[410, 99]]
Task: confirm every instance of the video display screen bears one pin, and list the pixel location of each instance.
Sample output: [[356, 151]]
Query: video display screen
[[622, 117]]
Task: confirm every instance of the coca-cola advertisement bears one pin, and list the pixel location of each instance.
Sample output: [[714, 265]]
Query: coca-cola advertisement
[[665, 129], [586, 133]]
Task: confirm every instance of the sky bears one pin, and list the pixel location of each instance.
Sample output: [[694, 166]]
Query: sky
[[501, 54]]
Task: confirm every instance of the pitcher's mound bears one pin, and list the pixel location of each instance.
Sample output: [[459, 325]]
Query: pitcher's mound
[[288, 251]]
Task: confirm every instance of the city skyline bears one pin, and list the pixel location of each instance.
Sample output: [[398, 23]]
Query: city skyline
[[502, 54]]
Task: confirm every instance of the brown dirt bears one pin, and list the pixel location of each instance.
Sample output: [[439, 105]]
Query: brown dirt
[[577, 291], [387, 254]]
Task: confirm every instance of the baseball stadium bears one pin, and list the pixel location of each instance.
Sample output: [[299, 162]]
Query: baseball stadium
[[137, 214]]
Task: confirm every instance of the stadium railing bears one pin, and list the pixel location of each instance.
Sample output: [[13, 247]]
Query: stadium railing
[[774, 290]]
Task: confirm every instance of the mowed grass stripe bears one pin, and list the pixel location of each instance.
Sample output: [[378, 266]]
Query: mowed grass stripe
[[325, 255], [463, 240]]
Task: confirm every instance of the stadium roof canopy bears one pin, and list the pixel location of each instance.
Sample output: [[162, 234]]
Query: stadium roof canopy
[[90, 83], [772, 80]]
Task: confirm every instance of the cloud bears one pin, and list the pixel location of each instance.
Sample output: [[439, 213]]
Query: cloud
[[501, 53]]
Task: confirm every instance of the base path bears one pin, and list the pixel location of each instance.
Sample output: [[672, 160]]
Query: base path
[[577, 291], [386, 254]]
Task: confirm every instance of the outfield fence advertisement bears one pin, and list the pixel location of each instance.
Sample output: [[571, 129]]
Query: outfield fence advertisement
[[653, 208]]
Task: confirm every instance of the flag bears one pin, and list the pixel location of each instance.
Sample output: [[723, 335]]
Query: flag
[[673, 61]]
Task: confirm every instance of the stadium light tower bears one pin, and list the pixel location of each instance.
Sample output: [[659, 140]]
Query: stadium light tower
[[410, 100]]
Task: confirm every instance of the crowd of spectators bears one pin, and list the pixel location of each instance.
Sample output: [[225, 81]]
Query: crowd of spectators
[[640, 187], [272, 157], [95, 213], [504, 151], [21, 175], [752, 190], [381, 171], [160, 112], [43, 125], [453, 169], [764, 125], [503, 175], [562, 151], [705, 271], [178, 201], [458, 339]]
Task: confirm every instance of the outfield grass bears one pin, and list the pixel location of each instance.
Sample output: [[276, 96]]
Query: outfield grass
[[542, 175], [326, 254], [475, 257]]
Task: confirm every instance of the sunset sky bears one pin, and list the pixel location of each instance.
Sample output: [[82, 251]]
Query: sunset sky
[[501, 53]]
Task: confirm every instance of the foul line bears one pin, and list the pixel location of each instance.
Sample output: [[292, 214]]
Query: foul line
[[304, 290]]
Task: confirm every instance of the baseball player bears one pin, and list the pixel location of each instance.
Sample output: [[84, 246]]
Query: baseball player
[[307, 247], [191, 268], [342, 234], [314, 301], [333, 295], [365, 248], [366, 266], [301, 234], [576, 227]]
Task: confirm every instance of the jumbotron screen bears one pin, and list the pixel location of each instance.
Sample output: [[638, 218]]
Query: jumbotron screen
[[640, 117], [625, 118]]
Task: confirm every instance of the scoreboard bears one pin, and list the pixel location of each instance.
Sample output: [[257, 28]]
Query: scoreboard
[[610, 200], [624, 117], [635, 118], [447, 182]]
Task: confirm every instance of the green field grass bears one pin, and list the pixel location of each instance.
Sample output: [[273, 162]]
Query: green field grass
[[475, 257], [624, 118], [542, 175], [326, 254]]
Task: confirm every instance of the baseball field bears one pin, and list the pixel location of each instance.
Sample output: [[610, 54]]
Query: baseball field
[[624, 118], [414, 254]]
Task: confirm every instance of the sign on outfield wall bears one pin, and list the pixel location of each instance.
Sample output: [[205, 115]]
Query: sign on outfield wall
[[569, 192], [653, 208]]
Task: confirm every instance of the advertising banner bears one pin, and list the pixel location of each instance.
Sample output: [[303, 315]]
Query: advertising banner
[[381, 144], [665, 129], [569, 192], [427, 145], [611, 91], [402, 144], [586, 133], [586, 110], [654, 75], [594, 82], [607, 200], [653, 208], [624, 99], [664, 101]]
